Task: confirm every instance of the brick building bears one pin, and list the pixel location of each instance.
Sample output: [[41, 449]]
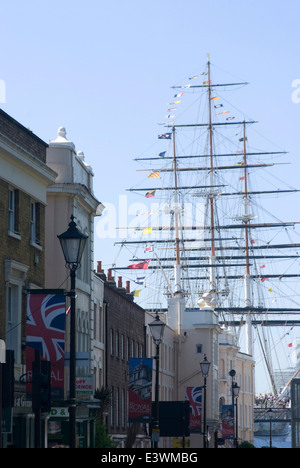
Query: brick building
[[24, 178], [125, 338]]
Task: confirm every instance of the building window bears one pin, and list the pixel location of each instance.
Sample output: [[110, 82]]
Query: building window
[[123, 413], [111, 342], [13, 211], [15, 274], [35, 223], [117, 407], [117, 344], [199, 348], [122, 347], [128, 350]]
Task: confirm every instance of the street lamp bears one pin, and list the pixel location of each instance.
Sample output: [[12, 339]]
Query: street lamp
[[72, 243], [204, 366], [235, 394], [157, 328]]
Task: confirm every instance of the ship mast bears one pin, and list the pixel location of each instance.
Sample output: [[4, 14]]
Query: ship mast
[[177, 267], [249, 340], [211, 183]]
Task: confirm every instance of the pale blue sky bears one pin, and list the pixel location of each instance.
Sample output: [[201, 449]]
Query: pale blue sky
[[104, 71]]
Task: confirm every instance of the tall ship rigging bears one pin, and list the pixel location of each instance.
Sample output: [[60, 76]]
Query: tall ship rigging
[[204, 237]]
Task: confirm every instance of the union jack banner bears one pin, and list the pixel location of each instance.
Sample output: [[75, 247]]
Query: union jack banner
[[45, 331], [194, 396]]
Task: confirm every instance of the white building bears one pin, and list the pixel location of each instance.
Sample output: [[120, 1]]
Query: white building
[[72, 194]]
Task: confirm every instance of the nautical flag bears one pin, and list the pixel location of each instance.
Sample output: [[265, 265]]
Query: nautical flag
[[243, 139], [147, 230], [172, 109], [264, 279], [178, 95], [290, 345], [218, 106], [154, 174], [173, 103], [242, 178], [206, 82], [162, 155], [262, 266], [136, 292], [193, 77], [214, 98], [270, 290], [149, 248], [145, 213], [142, 266], [186, 86], [140, 280], [150, 194], [230, 118], [165, 136], [252, 241], [224, 112]]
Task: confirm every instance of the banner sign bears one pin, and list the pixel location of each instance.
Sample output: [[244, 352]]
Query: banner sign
[[194, 396], [228, 421], [140, 389], [45, 331]]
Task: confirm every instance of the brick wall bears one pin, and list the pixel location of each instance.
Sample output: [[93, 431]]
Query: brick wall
[[124, 318], [19, 249], [22, 137]]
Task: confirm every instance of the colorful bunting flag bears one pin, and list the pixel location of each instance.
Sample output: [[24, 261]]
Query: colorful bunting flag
[[149, 248], [214, 98], [154, 174], [178, 95], [136, 292], [142, 265], [150, 194], [165, 136], [147, 230], [140, 280], [162, 155]]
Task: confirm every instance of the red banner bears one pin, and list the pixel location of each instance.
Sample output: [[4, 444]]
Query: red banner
[[140, 389], [194, 396], [45, 331]]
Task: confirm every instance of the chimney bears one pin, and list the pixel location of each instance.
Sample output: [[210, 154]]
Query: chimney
[[128, 287], [99, 268], [120, 282], [109, 276]]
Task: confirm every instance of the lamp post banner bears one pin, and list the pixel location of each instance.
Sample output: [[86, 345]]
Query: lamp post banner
[[194, 397], [228, 421], [140, 389], [45, 331]]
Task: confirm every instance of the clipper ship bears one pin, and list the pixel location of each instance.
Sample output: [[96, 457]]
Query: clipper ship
[[205, 232]]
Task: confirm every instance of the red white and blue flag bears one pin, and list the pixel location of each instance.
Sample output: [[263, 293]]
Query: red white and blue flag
[[194, 396], [45, 331]]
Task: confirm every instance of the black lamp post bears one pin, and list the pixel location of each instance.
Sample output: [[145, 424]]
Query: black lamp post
[[204, 366], [235, 394], [72, 243], [157, 328]]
